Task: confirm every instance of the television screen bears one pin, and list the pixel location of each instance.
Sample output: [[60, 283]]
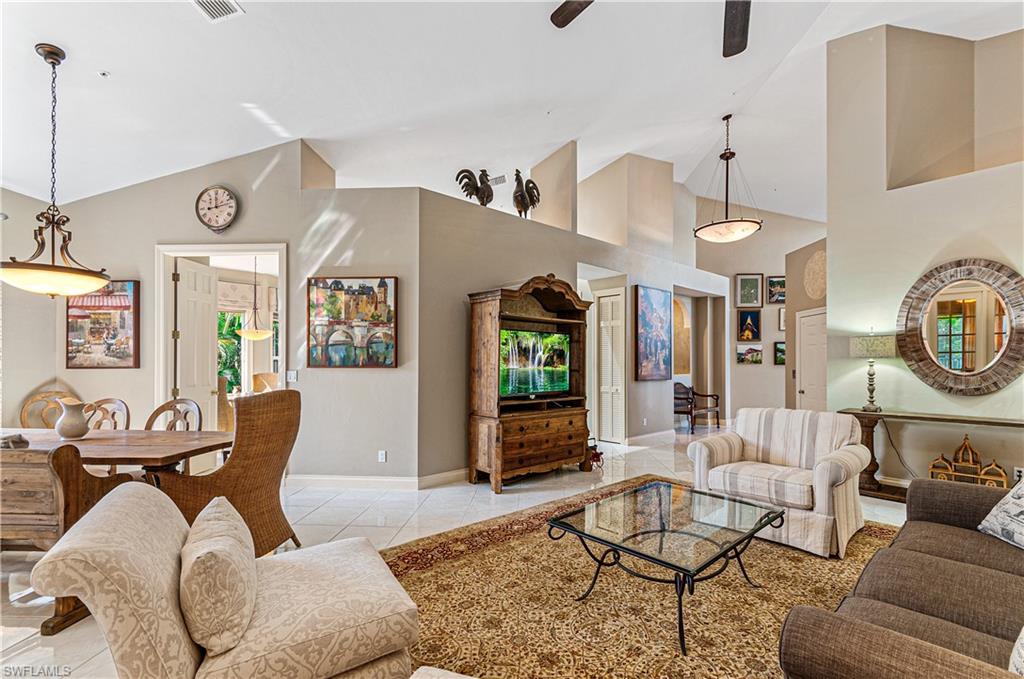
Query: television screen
[[534, 362]]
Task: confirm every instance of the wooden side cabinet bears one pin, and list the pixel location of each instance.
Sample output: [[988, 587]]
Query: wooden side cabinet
[[512, 435]]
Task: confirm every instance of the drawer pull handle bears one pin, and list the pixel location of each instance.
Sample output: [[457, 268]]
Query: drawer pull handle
[[570, 437], [547, 424], [570, 423], [522, 428], [520, 444]]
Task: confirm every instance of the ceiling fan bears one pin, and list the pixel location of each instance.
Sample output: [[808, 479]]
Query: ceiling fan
[[737, 22]]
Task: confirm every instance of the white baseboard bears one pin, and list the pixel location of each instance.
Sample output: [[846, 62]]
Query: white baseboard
[[388, 482], [654, 438], [893, 481]]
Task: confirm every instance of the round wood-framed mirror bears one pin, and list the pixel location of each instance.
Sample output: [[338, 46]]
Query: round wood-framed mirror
[[960, 328]]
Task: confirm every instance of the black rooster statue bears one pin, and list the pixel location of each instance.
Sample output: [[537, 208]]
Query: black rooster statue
[[525, 196], [481, 190]]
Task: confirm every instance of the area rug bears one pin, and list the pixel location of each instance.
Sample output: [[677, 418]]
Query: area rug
[[496, 601]]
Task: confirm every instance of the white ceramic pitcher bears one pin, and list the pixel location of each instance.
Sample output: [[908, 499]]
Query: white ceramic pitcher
[[73, 423]]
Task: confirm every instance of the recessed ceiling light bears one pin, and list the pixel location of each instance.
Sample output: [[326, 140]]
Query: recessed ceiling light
[[103, 74]]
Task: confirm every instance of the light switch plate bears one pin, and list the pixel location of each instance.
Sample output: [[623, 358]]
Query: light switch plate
[[382, 456], [291, 375]]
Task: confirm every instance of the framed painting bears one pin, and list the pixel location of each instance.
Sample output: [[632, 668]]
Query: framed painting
[[775, 289], [780, 353], [748, 325], [653, 308], [102, 327], [748, 290], [750, 354], [352, 322]]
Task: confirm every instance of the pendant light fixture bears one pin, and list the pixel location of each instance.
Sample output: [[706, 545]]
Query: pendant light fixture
[[254, 333], [70, 277], [729, 228]]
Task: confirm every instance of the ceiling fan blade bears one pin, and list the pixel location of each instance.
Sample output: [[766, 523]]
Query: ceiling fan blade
[[737, 26], [568, 11]]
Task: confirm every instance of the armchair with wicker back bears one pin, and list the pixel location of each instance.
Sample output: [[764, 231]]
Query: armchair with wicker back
[[265, 429], [686, 403]]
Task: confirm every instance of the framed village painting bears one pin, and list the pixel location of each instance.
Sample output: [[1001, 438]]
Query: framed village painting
[[352, 322], [749, 289], [102, 328], [653, 353], [749, 354], [775, 289]]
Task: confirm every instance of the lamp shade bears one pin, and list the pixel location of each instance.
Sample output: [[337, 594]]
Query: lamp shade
[[873, 346], [254, 334], [51, 279], [727, 230]]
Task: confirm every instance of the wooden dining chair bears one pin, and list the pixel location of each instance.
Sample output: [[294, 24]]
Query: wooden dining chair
[[42, 407], [178, 411], [108, 412], [265, 429]]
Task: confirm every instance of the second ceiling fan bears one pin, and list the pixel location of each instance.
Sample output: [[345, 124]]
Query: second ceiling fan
[[734, 40]]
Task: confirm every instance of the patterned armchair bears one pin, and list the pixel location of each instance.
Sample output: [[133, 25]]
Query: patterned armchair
[[807, 462]]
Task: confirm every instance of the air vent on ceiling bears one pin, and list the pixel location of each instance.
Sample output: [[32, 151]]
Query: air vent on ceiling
[[218, 10]]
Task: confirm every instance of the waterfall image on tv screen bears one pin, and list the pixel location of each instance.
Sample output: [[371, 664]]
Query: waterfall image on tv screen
[[534, 362]]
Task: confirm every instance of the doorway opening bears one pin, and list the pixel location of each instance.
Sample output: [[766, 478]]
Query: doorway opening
[[607, 358]]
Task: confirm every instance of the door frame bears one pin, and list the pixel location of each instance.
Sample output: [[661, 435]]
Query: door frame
[[162, 381], [598, 294], [800, 315]]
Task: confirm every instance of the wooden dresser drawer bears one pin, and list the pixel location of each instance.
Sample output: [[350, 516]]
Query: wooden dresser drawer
[[552, 439], [552, 424], [546, 456]]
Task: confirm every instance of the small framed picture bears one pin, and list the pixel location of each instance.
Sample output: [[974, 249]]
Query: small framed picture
[[775, 289], [780, 353], [102, 327], [748, 325], [748, 290], [749, 354], [782, 319]]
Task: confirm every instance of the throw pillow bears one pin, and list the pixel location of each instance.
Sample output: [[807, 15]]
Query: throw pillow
[[1017, 656], [218, 577], [1006, 520]]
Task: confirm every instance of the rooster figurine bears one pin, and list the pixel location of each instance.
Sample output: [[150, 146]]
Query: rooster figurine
[[481, 190], [525, 196]]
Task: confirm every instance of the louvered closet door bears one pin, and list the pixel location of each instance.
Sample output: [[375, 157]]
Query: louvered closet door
[[611, 367]]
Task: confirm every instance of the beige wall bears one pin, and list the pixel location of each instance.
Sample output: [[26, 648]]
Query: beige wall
[[880, 242], [764, 252], [314, 170], [556, 178], [999, 100], [603, 203], [799, 298], [28, 343], [684, 217], [651, 206]]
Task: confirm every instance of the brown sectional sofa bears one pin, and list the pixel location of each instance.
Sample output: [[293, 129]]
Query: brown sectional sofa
[[943, 600]]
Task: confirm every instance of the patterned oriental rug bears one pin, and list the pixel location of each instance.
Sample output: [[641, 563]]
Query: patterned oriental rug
[[496, 600]]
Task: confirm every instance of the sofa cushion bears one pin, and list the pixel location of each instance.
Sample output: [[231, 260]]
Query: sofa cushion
[[776, 484], [982, 599], [218, 577], [320, 611], [794, 438], [1017, 655], [1006, 520], [936, 631], [960, 544]]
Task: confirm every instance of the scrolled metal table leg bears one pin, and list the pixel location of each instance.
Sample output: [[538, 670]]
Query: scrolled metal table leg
[[680, 589], [601, 563]]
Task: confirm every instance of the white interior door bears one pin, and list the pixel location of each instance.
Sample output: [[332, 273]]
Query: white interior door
[[811, 360], [197, 344], [611, 365]]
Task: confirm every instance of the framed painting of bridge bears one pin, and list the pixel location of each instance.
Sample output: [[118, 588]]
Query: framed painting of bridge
[[352, 322]]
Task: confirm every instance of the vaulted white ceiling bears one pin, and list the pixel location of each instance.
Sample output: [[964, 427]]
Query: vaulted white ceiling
[[404, 94]]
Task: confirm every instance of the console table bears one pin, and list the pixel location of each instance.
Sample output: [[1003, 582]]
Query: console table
[[871, 486]]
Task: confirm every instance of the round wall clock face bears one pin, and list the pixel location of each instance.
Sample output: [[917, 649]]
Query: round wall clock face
[[217, 207]]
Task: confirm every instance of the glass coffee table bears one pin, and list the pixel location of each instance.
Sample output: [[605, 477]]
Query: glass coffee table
[[694, 534]]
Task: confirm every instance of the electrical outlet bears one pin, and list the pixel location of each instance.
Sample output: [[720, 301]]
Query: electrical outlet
[[382, 456], [1018, 474], [645, 421]]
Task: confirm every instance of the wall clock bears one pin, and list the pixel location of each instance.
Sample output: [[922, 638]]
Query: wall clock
[[217, 207]]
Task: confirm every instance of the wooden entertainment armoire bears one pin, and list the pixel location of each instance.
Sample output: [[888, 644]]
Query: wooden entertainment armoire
[[520, 435]]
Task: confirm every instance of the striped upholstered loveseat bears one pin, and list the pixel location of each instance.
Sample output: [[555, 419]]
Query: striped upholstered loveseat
[[804, 461]]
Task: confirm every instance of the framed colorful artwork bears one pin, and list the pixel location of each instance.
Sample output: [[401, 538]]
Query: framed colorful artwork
[[780, 353], [352, 322], [750, 354], [748, 325], [775, 289], [782, 319], [748, 290], [653, 352], [102, 327]]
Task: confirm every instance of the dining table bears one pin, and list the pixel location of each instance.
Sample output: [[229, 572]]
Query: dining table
[[46, 487]]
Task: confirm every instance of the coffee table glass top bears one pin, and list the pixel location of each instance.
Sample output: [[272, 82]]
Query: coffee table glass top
[[670, 524]]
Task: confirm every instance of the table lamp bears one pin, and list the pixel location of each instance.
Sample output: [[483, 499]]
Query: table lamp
[[872, 347]]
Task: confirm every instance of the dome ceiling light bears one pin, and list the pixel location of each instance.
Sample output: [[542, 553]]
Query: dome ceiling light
[[70, 277], [729, 228]]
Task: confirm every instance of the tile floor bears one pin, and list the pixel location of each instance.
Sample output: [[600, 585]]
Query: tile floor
[[321, 514]]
